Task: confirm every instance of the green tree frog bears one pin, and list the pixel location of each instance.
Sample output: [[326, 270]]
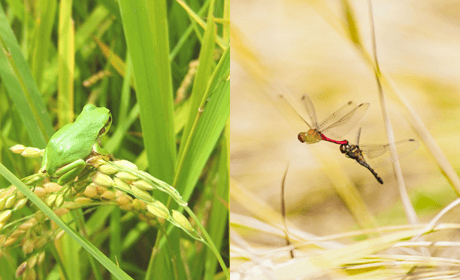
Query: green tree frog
[[69, 146]]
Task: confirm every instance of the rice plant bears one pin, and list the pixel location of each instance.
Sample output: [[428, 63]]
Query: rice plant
[[153, 202]]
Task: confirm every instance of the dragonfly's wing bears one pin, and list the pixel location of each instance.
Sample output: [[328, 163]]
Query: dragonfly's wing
[[378, 155], [300, 111], [310, 110], [343, 120], [358, 136]]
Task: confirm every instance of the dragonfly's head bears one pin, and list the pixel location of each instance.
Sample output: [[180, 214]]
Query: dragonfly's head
[[301, 137], [310, 137], [344, 148]]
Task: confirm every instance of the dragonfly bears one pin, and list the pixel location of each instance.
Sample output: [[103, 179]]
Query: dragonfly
[[335, 126], [380, 154]]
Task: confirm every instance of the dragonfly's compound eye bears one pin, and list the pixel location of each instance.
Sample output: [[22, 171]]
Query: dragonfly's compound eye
[[301, 137]]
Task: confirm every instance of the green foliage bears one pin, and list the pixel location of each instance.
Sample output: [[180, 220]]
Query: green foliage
[[136, 59]]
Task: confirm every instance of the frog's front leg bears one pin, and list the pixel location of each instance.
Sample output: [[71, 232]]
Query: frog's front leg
[[98, 150], [69, 172]]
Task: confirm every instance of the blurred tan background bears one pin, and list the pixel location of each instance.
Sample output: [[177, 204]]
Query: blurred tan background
[[295, 45]]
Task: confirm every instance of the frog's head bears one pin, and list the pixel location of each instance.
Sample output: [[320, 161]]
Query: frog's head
[[98, 115]]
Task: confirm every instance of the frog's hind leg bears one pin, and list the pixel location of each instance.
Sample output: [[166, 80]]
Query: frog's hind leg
[[69, 172]]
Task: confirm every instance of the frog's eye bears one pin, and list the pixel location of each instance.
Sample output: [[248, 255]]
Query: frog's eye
[[108, 123], [102, 131], [106, 127]]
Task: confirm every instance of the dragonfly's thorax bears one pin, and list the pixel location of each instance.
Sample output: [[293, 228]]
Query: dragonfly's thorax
[[310, 137]]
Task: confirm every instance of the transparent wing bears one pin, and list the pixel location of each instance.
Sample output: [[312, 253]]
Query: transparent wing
[[310, 110], [358, 136], [379, 155], [343, 120], [302, 113]]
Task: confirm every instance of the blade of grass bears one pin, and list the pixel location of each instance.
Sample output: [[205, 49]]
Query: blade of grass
[[352, 29], [18, 8], [226, 28], [147, 38], [68, 249], [46, 10], [134, 234], [206, 130], [218, 219], [192, 14], [21, 87], [115, 237], [62, 267], [66, 54], [180, 118], [309, 267], [112, 7], [115, 60], [200, 22], [187, 33], [91, 24], [126, 89], [408, 207], [200, 84], [165, 262], [98, 220]]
